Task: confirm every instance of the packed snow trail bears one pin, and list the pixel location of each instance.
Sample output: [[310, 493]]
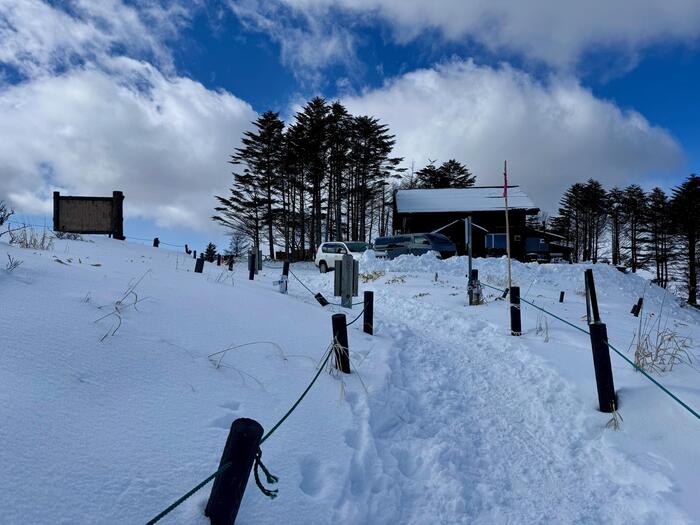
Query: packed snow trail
[[473, 428]]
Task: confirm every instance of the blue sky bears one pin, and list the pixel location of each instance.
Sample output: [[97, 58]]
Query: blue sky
[[151, 97]]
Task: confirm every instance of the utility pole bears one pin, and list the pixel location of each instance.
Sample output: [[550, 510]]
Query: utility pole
[[505, 196]]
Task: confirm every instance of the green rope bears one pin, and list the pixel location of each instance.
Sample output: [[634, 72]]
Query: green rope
[[185, 496], [609, 345], [223, 467], [318, 373]]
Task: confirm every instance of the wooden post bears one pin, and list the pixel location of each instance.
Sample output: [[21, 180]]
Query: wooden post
[[561, 296], [638, 307], [505, 293], [118, 215], [368, 315], [258, 261], [355, 277], [515, 324], [321, 300], [241, 447], [230, 264], [199, 265], [187, 250], [471, 286], [337, 278], [603, 369], [218, 259], [56, 214], [284, 280], [156, 242], [252, 266], [592, 296], [346, 288], [194, 254], [340, 342]]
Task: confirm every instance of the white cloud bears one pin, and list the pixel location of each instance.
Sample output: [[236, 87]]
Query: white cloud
[[555, 32], [309, 39], [37, 38], [163, 141], [552, 134], [88, 117]]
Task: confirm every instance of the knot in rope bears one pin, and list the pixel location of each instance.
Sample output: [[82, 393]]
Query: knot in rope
[[271, 479]]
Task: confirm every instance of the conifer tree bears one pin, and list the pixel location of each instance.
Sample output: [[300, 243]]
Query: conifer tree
[[210, 252], [686, 220]]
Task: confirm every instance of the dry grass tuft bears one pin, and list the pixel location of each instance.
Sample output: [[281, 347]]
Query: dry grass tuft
[[371, 276], [28, 237], [12, 263], [615, 419], [657, 347]]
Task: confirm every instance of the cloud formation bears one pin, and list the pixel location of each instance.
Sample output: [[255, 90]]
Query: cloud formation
[[557, 33], [552, 134], [163, 141], [89, 118]]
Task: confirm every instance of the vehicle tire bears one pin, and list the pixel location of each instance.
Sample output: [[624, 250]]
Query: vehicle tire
[[323, 267]]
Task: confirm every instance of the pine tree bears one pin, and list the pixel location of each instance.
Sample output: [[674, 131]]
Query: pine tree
[[657, 231], [686, 220], [431, 177], [634, 205], [210, 252], [255, 191], [457, 174], [615, 201]]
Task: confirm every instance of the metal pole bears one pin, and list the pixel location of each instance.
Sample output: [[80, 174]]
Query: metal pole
[[505, 196], [347, 281]]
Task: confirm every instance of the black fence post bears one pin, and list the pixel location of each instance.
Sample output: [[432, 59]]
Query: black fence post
[[118, 215], [561, 296], [241, 447], [505, 293], [284, 280], [471, 286], [321, 300], [199, 265], [515, 324], [218, 259], [230, 264], [251, 266], [603, 369], [591, 295], [340, 343], [637, 309], [187, 250], [368, 315], [156, 242], [194, 254]]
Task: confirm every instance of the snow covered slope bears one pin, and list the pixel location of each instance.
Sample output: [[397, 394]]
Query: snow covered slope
[[448, 418]]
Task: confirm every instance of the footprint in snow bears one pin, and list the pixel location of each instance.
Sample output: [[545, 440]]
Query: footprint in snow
[[311, 483], [224, 422]]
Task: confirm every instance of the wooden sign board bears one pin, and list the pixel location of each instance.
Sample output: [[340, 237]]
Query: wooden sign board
[[101, 215]]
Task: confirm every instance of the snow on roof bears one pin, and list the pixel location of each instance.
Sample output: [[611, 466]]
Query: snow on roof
[[484, 198]]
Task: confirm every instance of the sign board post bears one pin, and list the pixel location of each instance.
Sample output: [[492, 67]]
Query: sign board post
[[97, 215]]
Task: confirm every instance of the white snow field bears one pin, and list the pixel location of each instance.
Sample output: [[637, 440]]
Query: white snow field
[[445, 419]]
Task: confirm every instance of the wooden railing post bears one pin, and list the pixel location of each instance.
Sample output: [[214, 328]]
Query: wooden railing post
[[515, 322], [340, 343], [241, 447]]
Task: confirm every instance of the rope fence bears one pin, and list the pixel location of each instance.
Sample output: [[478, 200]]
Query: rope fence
[[258, 462], [609, 345]]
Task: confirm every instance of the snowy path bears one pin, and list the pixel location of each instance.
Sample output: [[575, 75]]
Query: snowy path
[[472, 428]]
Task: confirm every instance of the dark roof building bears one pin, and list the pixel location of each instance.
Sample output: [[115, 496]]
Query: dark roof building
[[444, 211]]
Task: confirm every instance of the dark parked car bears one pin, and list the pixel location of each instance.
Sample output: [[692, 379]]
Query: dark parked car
[[415, 244]]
